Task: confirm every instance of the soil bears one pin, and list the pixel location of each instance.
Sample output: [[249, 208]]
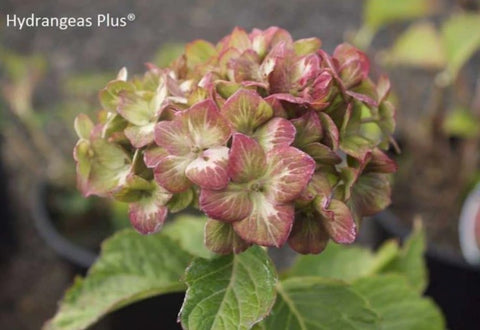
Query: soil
[[422, 189], [435, 171]]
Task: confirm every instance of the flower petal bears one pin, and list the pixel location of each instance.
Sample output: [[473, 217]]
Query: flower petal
[[383, 88], [337, 219], [247, 159], [152, 155], [279, 66], [288, 174], [277, 132], [264, 41], [356, 146], [222, 239], [321, 184], [108, 167], [246, 67], [147, 218], [246, 110], [322, 154], [308, 235], [380, 162], [306, 46], [170, 172], [136, 108], [371, 193], [147, 210], [308, 129], [83, 126], [140, 136], [205, 125], [353, 64], [173, 137], [268, 224], [83, 166], [209, 170], [365, 92], [238, 39], [231, 204], [109, 96], [331, 133], [199, 52]]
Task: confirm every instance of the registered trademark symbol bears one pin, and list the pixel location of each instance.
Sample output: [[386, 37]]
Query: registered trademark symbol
[[131, 17]]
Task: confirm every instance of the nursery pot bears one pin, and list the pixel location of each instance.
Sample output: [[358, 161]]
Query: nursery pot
[[453, 283], [74, 253], [7, 237], [159, 312], [154, 313]]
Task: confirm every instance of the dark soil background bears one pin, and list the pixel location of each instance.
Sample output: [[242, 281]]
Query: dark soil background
[[33, 278]]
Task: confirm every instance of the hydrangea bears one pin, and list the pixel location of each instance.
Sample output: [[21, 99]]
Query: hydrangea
[[273, 139]]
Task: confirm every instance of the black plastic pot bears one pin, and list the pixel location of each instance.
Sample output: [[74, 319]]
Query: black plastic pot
[[154, 313], [7, 237], [77, 255], [151, 314], [453, 283]]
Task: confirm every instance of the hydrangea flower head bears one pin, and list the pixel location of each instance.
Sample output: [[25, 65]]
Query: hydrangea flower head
[[272, 138]]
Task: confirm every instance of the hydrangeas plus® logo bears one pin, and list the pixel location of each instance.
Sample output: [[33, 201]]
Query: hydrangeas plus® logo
[[66, 22]]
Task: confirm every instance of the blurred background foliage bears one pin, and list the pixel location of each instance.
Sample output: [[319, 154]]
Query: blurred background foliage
[[438, 127]]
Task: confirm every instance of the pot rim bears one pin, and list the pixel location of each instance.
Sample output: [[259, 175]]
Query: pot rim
[[72, 252]]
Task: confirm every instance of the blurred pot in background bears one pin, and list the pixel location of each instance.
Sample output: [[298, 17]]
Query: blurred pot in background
[[38, 141], [438, 133]]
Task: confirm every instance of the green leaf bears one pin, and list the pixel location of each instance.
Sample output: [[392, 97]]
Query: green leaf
[[409, 261], [399, 306], [461, 38], [387, 252], [229, 292], [187, 231], [381, 12], [316, 303], [420, 46], [462, 123], [349, 263], [335, 262], [131, 267]]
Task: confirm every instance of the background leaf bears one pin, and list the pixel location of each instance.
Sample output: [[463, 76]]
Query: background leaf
[[130, 268], [381, 12], [409, 262], [187, 231], [336, 262], [398, 305], [461, 38], [229, 292], [316, 303], [461, 123], [349, 263], [420, 46]]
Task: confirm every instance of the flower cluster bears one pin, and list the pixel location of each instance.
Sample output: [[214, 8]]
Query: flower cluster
[[273, 139]]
